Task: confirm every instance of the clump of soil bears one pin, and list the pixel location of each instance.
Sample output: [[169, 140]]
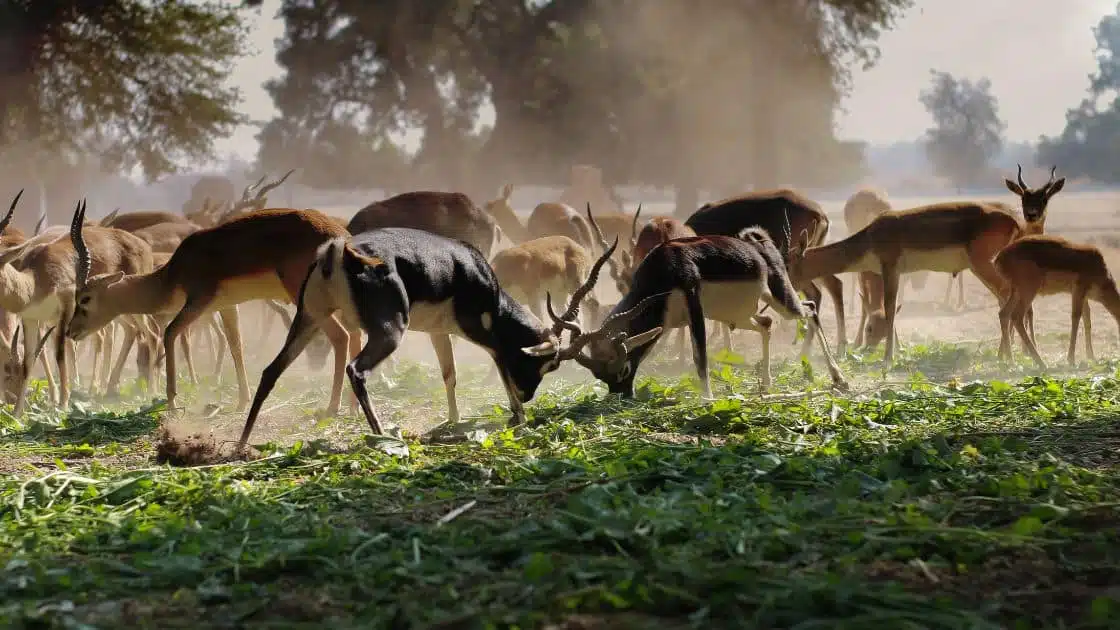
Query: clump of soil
[[194, 449]]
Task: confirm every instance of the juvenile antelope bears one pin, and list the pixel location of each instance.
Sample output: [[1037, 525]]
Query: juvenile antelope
[[782, 213], [947, 237], [1035, 201], [689, 279], [1039, 264], [260, 255], [548, 218], [395, 279]]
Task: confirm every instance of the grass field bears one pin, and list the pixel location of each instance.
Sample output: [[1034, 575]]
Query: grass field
[[948, 492]]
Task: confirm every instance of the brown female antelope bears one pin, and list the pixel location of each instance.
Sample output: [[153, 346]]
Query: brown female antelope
[[781, 213], [1039, 264], [395, 279], [947, 237], [261, 255], [547, 219], [448, 214], [687, 280]]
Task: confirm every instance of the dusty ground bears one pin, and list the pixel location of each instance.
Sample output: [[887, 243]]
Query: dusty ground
[[924, 319]]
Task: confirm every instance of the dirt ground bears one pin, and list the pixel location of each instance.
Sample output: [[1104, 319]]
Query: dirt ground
[[924, 319]]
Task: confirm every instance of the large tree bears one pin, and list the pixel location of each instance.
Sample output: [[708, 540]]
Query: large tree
[[724, 92], [132, 83], [1087, 145], [967, 131]]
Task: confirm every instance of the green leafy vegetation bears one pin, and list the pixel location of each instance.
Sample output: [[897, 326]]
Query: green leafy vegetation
[[927, 498]]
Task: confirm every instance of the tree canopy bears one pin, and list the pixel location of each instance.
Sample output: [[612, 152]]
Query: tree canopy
[[1087, 145], [133, 83], [967, 130], [720, 93]]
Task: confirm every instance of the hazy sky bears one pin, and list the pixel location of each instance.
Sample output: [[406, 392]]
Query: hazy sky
[[1038, 54]]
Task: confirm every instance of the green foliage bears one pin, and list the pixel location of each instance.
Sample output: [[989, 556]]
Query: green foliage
[[665, 94], [916, 504], [138, 84], [1086, 146], [967, 132]]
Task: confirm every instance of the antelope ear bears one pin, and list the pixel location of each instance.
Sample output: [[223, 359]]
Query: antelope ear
[[542, 349], [641, 339], [1055, 187], [1013, 187], [112, 278]]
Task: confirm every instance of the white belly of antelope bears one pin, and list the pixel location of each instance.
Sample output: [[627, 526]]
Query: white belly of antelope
[[732, 302], [434, 317], [946, 259]]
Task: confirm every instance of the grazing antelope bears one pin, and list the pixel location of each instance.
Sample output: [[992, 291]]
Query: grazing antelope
[[448, 214], [260, 255], [548, 218], [1040, 264], [553, 265], [947, 237], [783, 213], [140, 219], [391, 280], [37, 281], [688, 280]]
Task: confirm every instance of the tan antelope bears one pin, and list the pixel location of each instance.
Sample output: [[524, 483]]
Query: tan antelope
[[394, 279], [37, 281], [262, 255], [783, 214], [548, 218], [946, 237], [1039, 264], [552, 265]]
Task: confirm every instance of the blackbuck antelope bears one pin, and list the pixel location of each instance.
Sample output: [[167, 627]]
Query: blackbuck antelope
[[258, 256], [689, 279], [37, 281], [391, 280], [1039, 264], [783, 213], [948, 237], [549, 265], [1035, 201]]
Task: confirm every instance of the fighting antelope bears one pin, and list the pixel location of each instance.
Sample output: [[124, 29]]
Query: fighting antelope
[[947, 237], [688, 280], [391, 280], [784, 214], [260, 255], [37, 282], [1040, 264]]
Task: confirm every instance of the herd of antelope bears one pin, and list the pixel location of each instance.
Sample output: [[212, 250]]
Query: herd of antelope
[[425, 261]]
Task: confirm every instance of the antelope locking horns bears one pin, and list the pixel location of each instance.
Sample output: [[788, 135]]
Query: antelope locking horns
[[612, 330], [563, 322], [83, 262], [11, 210], [260, 194], [634, 225]]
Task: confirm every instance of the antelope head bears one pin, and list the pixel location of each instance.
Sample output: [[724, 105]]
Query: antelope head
[[609, 344], [17, 365], [1035, 200], [91, 310]]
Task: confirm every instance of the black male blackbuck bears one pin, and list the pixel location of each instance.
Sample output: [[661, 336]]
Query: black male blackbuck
[[686, 280], [784, 214], [390, 280], [947, 237]]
